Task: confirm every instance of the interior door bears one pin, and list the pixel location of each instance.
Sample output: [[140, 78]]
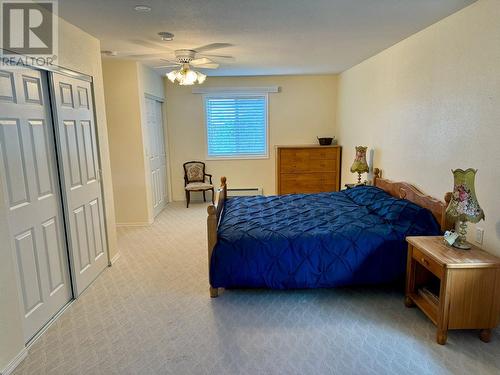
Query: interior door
[[30, 179], [156, 153], [79, 163]]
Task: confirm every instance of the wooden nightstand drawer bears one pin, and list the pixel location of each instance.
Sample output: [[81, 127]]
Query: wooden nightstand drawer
[[428, 262]]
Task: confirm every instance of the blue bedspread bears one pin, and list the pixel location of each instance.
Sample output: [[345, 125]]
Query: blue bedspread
[[355, 236]]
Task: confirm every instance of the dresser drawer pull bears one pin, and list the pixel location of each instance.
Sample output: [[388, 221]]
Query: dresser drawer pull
[[425, 261]]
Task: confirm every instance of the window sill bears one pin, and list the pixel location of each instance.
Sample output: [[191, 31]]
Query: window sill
[[221, 158]]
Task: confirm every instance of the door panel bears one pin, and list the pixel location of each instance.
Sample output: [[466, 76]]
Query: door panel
[[55, 265], [77, 144], [14, 162], [29, 172], [156, 153], [29, 271], [41, 152]]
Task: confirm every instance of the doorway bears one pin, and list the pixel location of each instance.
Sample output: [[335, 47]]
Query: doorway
[[156, 153]]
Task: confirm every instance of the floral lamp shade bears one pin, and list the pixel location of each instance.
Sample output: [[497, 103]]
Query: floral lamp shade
[[360, 164], [464, 206]]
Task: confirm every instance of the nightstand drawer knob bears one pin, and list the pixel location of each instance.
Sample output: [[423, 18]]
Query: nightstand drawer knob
[[425, 261]]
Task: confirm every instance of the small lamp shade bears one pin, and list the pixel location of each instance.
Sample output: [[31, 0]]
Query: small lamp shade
[[463, 205], [360, 164]]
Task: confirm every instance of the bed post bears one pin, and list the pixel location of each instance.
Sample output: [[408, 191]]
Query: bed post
[[214, 212], [376, 175], [212, 240], [444, 221]]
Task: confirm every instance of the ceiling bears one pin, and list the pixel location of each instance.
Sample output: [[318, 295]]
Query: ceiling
[[268, 36]]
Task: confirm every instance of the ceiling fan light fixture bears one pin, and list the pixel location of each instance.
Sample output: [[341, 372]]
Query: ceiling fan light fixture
[[186, 76]]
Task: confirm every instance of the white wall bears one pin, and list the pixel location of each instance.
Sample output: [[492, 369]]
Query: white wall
[[305, 108], [432, 103], [80, 52], [125, 140], [125, 84]]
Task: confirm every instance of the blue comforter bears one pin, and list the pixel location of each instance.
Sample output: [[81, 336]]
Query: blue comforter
[[355, 236]]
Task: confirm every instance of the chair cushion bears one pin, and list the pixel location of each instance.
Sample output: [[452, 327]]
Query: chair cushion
[[199, 186], [195, 172]]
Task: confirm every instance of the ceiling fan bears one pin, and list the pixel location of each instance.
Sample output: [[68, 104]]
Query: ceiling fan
[[185, 59], [182, 59]]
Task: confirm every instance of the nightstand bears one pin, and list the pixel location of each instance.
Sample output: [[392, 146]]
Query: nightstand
[[456, 289]]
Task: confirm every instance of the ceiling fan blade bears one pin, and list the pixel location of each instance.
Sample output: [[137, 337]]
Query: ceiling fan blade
[[208, 66], [218, 57], [146, 55], [149, 44], [165, 66], [201, 61], [212, 46], [173, 62]]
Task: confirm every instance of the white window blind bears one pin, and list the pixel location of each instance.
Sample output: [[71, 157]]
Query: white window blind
[[236, 126]]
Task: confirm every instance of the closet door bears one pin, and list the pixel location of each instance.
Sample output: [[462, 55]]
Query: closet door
[[156, 154], [30, 178], [79, 163]]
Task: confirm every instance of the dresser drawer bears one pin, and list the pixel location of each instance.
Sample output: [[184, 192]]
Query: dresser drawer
[[308, 154], [302, 165], [291, 183], [428, 262]]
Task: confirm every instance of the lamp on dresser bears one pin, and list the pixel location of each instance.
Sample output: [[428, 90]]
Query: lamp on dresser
[[464, 206], [360, 164]]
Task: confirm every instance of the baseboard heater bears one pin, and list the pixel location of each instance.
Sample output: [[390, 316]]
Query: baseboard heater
[[244, 192]]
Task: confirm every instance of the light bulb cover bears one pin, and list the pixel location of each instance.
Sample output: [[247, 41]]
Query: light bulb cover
[[172, 76], [201, 77]]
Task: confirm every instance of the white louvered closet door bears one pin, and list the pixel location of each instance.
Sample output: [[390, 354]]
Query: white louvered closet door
[[156, 154], [34, 209], [82, 195]]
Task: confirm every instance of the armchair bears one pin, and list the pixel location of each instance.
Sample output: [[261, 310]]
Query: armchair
[[195, 179]]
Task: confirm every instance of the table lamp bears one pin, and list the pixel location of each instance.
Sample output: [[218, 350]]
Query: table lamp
[[463, 205], [360, 164]]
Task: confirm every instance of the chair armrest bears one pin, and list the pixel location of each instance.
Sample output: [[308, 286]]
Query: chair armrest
[[209, 176]]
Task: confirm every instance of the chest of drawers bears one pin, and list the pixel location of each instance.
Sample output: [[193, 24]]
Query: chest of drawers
[[307, 169]]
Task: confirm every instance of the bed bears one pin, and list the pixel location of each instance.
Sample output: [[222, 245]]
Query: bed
[[355, 236]]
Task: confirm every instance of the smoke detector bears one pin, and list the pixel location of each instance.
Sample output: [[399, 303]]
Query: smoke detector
[[166, 36], [109, 53], [142, 8]]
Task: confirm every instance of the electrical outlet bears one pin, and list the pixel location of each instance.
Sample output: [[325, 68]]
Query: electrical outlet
[[479, 235]]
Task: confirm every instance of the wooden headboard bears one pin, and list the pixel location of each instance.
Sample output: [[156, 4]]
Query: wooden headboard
[[407, 191]]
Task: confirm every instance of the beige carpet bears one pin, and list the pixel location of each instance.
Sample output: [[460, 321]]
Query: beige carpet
[[151, 314]]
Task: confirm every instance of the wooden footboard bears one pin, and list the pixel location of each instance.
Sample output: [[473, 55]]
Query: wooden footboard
[[214, 214]]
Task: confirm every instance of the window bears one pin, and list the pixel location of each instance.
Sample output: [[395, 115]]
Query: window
[[236, 126]]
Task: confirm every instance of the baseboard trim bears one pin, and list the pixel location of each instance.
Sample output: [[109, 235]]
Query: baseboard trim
[[16, 361], [114, 259], [138, 224]]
